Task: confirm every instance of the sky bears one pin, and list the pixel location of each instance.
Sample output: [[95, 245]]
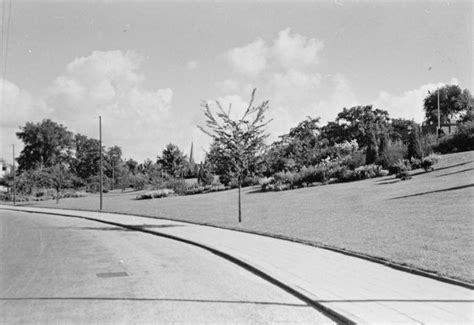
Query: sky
[[146, 67]]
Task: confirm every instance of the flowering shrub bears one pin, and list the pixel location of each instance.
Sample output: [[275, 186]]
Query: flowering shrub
[[428, 162], [356, 159], [415, 163], [401, 169], [367, 171], [346, 148], [198, 189], [179, 186], [155, 194]]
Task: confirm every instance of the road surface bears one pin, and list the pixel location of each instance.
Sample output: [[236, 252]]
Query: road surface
[[69, 270]]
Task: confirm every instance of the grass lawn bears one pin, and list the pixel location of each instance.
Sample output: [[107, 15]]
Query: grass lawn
[[425, 222]]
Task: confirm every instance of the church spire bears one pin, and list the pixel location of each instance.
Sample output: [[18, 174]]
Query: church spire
[[191, 158]]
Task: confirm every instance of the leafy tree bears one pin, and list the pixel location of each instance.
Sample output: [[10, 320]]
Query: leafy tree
[[302, 146], [356, 123], [400, 129], [204, 173], [87, 158], [237, 142], [58, 177], [132, 166], [45, 144], [173, 161], [112, 159], [146, 166], [454, 104]]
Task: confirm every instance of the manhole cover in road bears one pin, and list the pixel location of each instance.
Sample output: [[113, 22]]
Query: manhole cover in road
[[111, 274]]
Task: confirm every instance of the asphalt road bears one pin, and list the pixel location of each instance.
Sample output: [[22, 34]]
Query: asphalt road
[[69, 270]]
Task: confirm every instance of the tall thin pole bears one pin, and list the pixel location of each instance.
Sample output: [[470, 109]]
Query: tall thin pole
[[100, 149], [240, 203], [439, 118], [14, 177], [113, 174]]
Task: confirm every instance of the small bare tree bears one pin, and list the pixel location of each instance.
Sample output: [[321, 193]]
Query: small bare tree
[[238, 141]]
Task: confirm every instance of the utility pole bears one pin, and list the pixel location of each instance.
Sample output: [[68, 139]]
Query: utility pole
[[439, 118], [113, 174], [14, 177], [100, 149]]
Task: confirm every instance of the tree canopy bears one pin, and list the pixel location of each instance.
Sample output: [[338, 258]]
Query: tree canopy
[[173, 161], [86, 162], [454, 104], [357, 123], [45, 144]]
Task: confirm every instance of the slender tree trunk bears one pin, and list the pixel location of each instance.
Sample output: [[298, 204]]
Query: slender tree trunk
[[240, 203]]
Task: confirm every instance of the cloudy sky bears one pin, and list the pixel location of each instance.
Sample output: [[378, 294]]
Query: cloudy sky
[[145, 66]]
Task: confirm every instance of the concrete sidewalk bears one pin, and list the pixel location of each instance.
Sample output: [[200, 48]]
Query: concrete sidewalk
[[362, 291]]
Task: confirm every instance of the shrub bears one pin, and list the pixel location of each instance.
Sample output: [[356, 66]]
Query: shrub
[[462, 140], [414, 144], [428, 162], [265, 180], [428, 143], [93, 184], [397, 167], [73, 194], [415, 163], [346, 148], [194, 189], [179, 186], [356, 159], [44, 194], [401, 168], [392, 153], [138, 182], [383, 172], [338, 171], [284, 178], [155, 194], [366, 172], [313, 174]]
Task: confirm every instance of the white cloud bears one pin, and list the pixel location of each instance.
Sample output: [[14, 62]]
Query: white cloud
[[408, 105], [293, 85], [192, 65], [295, 50], [250, 59], [17, 108], [288, 51], [110, 84], [283, 71]]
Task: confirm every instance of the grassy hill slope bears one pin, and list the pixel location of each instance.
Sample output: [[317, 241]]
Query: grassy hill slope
[[426, 222]]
